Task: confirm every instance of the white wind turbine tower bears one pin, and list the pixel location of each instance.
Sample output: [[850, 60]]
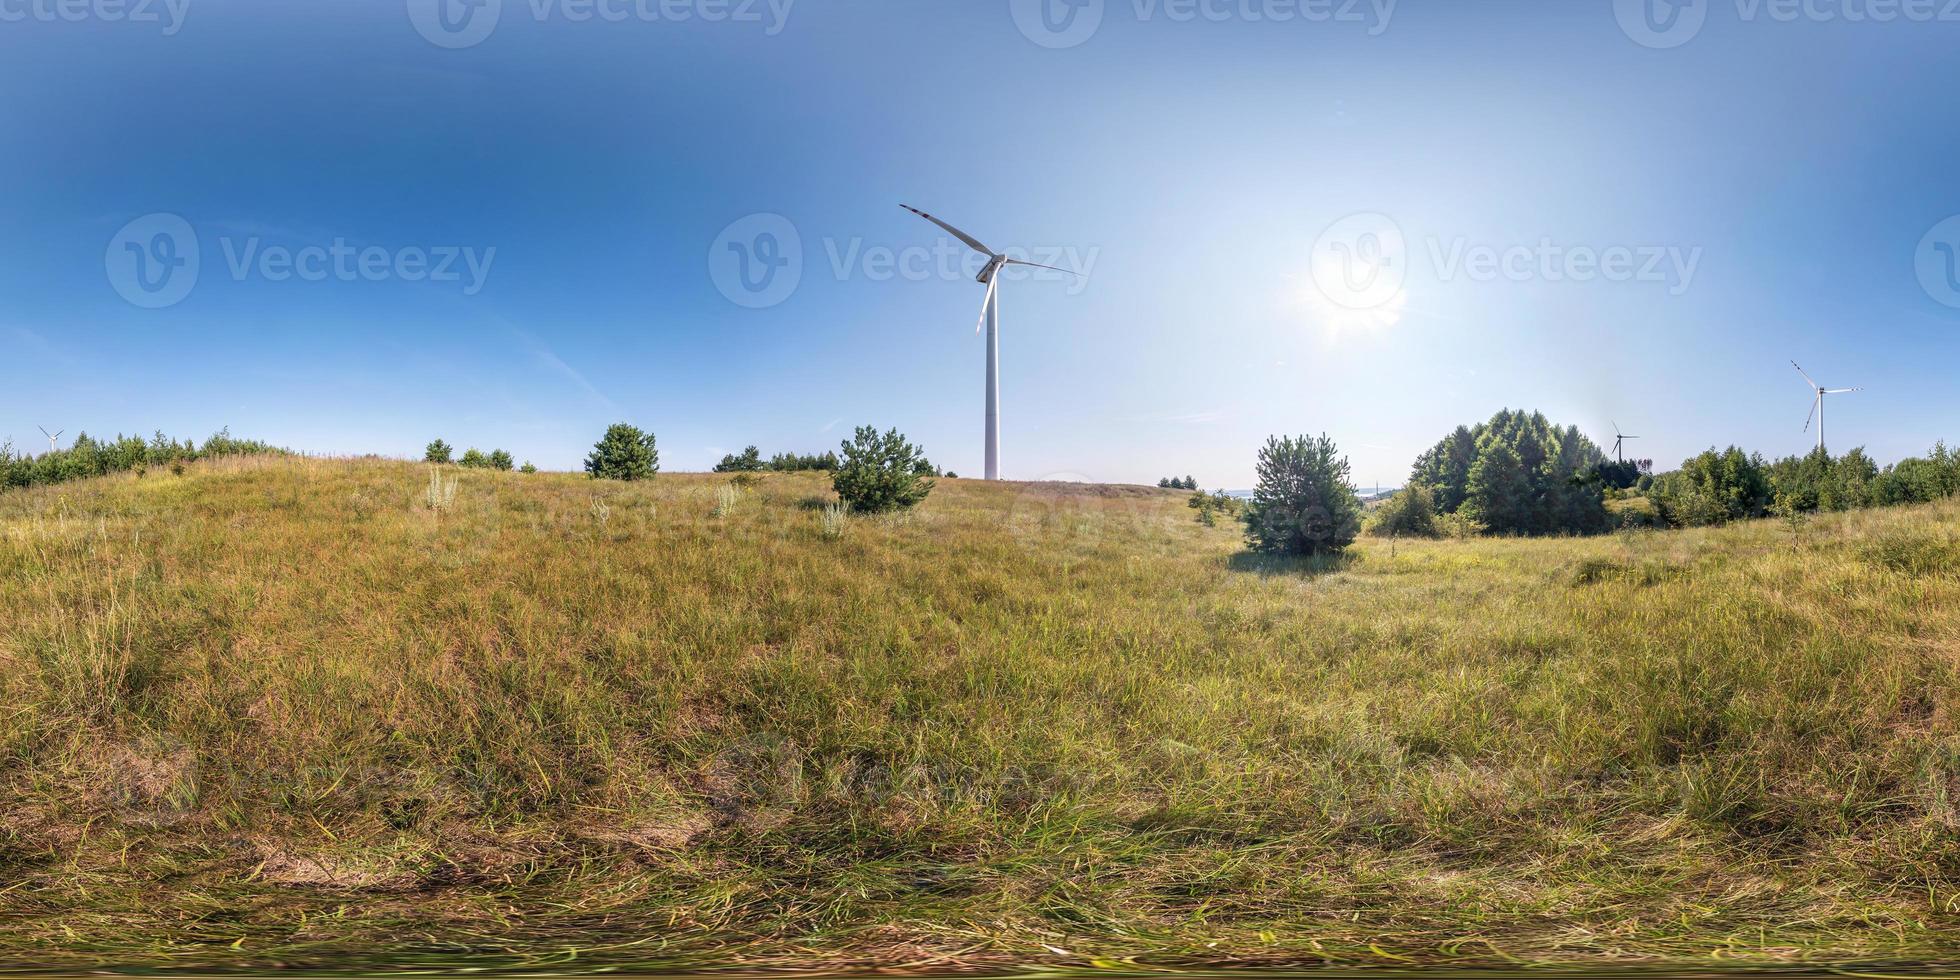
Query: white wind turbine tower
[[51, 436], [1817, 406], [990, 320]]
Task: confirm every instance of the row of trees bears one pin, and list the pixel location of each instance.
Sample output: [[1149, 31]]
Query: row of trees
[[88, 457], [476, 459], [875, 473], [1178, 483], [1718, 486], [750, 461]]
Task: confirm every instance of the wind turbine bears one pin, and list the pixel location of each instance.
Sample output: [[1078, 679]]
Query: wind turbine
[[1817, 406], [1619, 440], [51, 437], [990, 320]]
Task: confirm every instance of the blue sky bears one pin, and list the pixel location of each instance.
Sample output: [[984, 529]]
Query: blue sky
[[1785, 169]]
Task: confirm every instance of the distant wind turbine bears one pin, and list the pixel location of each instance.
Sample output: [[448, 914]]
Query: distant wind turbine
[[51, 437], [1619, 440], [990, 320], [1817, 405]]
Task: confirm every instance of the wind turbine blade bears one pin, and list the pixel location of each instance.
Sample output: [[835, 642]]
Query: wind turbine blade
[[1840, 391], [1038, 265], [1819, 400], [1806, 375], [955, 232], [987, 304]]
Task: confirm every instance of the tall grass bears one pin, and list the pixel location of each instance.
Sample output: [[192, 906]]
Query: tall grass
[[278, 710]]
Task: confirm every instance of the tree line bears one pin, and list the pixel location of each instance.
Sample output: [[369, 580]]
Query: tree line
[[1718, 486], [874, 473], [473, 458], [89, 457]]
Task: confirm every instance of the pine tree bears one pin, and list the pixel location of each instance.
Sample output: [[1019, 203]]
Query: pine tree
[[1499, 493], [624, 453], [1304, 504]]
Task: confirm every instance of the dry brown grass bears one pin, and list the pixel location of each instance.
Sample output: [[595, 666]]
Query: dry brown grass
[[282, 711]]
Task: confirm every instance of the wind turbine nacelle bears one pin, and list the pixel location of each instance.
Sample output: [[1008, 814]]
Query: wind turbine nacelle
[[993, 267]]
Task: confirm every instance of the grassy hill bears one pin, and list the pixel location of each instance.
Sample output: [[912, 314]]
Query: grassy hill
[[283, 711]]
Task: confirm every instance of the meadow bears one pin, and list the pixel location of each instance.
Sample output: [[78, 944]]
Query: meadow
[[284, 711]]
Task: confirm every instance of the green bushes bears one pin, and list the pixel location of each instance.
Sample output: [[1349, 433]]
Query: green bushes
[[881, 472], [1210, 505], [438, 452], [1713, 488], [1717, 487], [1408, 514], [87, 457], [1304, 504]]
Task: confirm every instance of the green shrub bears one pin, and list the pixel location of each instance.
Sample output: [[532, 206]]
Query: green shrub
[[1304, 504], [1717, 487], [623, 453], [1410, 513], [527, 468], [500, 460], [438, 452], [474, 459], [880, 473]]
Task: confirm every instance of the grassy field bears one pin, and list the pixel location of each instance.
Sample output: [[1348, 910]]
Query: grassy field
[[282, 711]]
